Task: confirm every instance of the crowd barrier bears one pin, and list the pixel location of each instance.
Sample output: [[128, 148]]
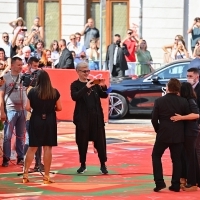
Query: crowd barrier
[[62, 78]]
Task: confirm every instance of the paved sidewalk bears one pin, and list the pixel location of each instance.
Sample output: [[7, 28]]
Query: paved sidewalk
[[129, 164]]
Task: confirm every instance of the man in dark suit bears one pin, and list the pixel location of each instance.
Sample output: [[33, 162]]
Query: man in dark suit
[[193, 79], [169, 134], [115, 58], [66, 60]]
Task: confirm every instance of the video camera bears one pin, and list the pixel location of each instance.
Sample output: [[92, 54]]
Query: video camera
[[29, 79]]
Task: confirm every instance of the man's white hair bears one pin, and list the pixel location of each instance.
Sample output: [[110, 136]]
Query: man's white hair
[[81, 65]]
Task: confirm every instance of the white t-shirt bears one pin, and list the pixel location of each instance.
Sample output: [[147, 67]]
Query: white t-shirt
[[94, 55], [78, 49], [6, 48]]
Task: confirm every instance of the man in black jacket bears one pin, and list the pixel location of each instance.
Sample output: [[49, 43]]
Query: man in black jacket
[[88, 115], [169, 134], [66, 60], [193, 79], [115, 58]]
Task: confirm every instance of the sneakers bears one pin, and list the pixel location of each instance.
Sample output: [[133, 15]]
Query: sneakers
[[20, 161], [5, 162], [81, 170], [103, 169], [13, 155]]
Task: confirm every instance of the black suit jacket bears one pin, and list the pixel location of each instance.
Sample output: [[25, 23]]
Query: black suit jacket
[[121, 60], [66, 60], [165, 107], [197, 90]]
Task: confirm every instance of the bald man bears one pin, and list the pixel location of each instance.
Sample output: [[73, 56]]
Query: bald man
[[90, 32], [66, 60]]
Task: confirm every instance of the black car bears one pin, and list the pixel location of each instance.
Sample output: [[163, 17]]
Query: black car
[[137, 96]]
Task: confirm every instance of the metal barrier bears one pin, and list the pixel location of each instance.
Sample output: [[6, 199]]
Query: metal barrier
[[133, 66]]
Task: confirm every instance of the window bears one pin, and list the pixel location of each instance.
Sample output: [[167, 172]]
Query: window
[[116, 19], [49, 13], [175, 71]]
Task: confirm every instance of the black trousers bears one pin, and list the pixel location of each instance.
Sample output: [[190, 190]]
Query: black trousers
[[198, 149], [117, 71], [175, 151], [188, 160], [99, 144]]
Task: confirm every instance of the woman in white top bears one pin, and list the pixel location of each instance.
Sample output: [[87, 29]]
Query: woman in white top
[[171, 49], [55, 52], [18, 24], [77, 47], [93, 55], [181, 51]]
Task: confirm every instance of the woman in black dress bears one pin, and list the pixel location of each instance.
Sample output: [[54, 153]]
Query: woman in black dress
[[43, 101], [189, 177]]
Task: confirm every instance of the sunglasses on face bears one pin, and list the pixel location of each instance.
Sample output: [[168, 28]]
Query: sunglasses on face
[[85, 71]]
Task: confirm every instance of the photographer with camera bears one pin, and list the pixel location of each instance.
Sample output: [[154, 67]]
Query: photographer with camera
[[13, 100], [29, 81], [115, 57], [195, 32]]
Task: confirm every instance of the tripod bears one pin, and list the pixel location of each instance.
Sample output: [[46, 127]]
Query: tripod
[[34, 171]]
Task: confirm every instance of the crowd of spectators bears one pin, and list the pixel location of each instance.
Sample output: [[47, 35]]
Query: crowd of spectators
[[178, 49], [31, 43]]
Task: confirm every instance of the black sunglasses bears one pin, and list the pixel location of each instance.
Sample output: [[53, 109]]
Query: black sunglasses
[[85, 71]]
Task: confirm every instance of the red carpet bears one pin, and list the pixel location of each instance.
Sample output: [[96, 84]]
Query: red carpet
[[129, 164]]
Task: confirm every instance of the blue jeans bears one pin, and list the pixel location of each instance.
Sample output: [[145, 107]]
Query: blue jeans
[[93, 65], [15, 119]]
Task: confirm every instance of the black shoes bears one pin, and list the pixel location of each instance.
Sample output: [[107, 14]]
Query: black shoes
[[81, 170], [174, 189], [104, 170], [159, 187], [5, 162], [20, 161]]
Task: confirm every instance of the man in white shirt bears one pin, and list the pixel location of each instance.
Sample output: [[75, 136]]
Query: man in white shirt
[[78, 48], [5, 44]]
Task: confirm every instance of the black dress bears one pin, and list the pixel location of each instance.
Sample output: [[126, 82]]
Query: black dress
[[42, 132]]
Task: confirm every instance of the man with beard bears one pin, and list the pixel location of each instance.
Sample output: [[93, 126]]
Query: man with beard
[[115, 58], [5, 44]]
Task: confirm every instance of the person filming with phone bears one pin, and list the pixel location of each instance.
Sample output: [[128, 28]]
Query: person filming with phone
[[88, 115], [195, 32]]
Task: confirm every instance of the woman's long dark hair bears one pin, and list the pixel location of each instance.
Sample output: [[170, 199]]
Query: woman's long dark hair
[[187, 91], [44, 87]]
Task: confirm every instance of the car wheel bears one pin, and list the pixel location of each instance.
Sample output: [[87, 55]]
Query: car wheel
[[117, 106]]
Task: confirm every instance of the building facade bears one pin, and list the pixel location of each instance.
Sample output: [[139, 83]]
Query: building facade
[[157, 21]]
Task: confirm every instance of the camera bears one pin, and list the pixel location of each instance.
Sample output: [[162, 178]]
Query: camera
[[24, 29], [29, 79], [96, 81]]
